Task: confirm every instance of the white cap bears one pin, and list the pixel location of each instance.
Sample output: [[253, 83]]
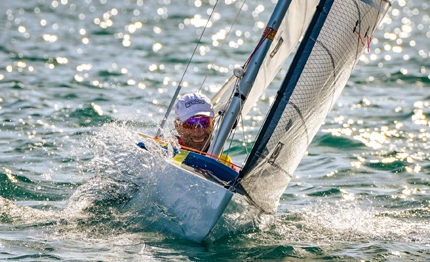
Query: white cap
[[193, 104]]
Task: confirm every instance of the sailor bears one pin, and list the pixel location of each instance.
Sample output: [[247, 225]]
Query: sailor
[[194, 115], [194, 123]]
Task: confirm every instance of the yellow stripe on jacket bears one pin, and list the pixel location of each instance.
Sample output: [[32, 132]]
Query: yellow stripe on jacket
[[180, 157]]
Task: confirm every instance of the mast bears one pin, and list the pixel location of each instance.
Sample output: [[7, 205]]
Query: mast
[[231, 115]]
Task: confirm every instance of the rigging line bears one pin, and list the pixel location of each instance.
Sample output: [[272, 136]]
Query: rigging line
[[243, 128], [198, 42], [231, 141], [245, 66], [243, 133], [216, 126], [222, 45], [234, 132], [266, 35], [230, 99], [178, 89]]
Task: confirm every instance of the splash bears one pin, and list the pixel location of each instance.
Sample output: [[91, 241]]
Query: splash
[[10, 213], [327, 223], [121, 168], [238, 217]]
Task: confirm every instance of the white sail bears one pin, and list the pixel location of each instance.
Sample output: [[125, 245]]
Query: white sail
[[322, 66], [292, 28]]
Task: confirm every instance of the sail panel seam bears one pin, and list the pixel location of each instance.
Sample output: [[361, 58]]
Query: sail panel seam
[[302, 118], [334, 72]]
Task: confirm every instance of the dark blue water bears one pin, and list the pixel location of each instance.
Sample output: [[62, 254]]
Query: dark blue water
[[79, 78]]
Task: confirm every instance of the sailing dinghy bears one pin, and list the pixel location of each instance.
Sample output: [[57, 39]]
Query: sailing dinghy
[[190, 196]]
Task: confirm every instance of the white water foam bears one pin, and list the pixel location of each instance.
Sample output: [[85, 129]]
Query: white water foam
[[327, 223]]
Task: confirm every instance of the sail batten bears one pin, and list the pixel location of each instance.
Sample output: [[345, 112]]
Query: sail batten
[[324, 62]]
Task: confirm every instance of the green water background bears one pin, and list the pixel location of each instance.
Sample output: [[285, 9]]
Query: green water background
[[68, 77]]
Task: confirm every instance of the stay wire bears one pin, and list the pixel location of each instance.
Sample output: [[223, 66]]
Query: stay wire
[[221, 118], [198, 42], [234, 131], [178, 89], [231, 141], [243, 133], [222, 45]]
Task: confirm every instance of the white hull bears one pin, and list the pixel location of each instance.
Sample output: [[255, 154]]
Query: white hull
[[180, 203]]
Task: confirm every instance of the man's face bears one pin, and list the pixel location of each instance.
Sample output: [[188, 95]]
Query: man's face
[[195, 137]]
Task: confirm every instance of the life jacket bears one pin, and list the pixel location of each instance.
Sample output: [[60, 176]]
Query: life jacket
[[226, 160]]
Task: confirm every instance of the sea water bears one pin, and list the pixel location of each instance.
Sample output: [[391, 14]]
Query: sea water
[[79, 79]]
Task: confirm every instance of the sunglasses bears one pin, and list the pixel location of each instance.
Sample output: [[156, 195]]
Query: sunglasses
[[203, 121]]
